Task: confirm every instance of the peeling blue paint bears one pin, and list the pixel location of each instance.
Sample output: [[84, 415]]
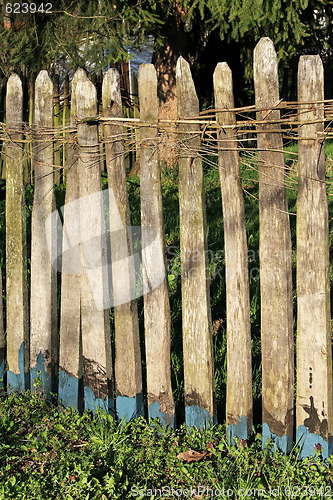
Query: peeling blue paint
[[282, 443], [128, 408], [17, 382], [45, 377], [307, 441], [91, 402], [195, 416], [68, 390], [239, 430], [154, 411]]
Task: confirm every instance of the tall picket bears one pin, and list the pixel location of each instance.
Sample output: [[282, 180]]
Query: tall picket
[[95, 322], [200, 406], [70, 367], [16, 252], [314, 410], [275, 258], [239, 368], [43, 301], [128, 377], [156, 299]]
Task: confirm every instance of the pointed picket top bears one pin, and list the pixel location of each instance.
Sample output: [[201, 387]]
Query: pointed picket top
[[83, 87], [265, 68], [44, 88], [111, 94], [148, 98], [311, 75], [222, 80], [14, 103], [186, 93]]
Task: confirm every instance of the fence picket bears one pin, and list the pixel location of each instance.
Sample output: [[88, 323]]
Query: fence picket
[[314, 412], [43, 301], [156, 299], [70, 367], [239, 369], [16, 253], [275, 265], [128, 376], [200, 407], [95, 322]]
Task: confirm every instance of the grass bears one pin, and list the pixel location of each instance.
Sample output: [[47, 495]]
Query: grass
[[51, 453]]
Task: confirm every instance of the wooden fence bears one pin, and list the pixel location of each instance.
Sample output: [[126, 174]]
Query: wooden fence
[[78, 365]]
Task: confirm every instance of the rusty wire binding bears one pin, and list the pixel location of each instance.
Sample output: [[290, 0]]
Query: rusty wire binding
[[245, 131]]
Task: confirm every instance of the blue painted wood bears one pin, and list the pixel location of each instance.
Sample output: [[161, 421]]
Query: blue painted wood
[[154, 411], [239, 430], [198, 417], [39, 374], [282, 443], [68, 392], [92, 403], [18, 382], [311, 444], [128, 408]]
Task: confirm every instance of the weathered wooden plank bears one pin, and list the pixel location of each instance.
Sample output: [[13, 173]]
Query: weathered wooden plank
[[200, 407], [157, 319], [128, 376], [43, 289], [70, 365], [314, 408], [2, 338], [16, 257], [239, 406], [95, 322], [275, 259]]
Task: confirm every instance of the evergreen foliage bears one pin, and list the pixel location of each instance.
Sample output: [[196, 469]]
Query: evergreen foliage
[[102, 31], [84, 31]]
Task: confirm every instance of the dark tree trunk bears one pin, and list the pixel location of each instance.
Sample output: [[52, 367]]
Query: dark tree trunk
[[165, 59]]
